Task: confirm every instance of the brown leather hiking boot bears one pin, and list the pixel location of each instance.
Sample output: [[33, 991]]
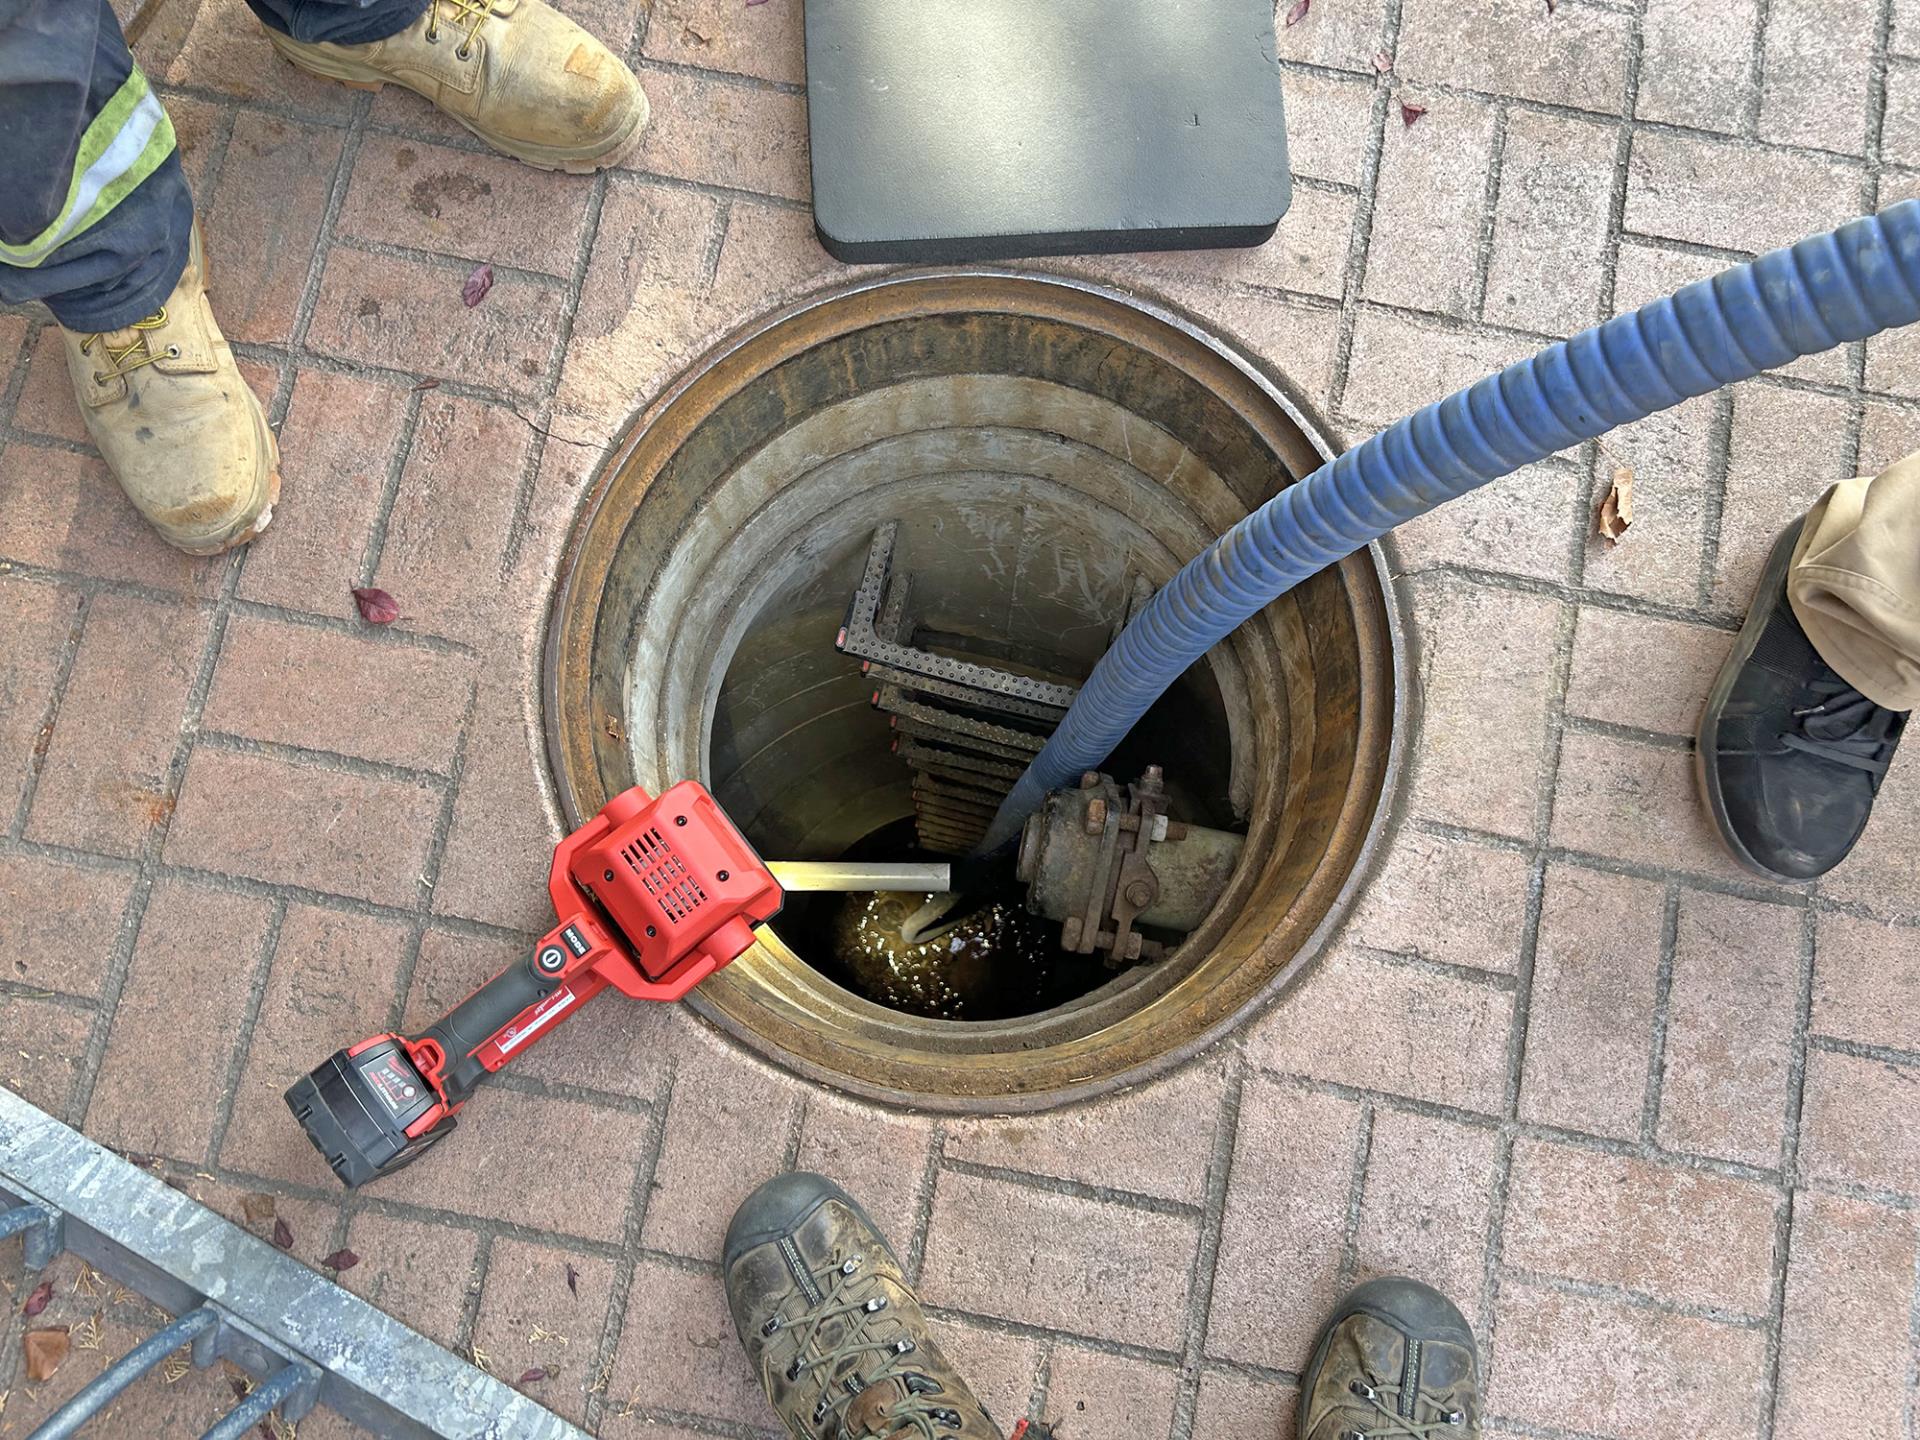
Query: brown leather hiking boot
[[181, 430], [517, 73], [826, 1317], [1396, 1362]]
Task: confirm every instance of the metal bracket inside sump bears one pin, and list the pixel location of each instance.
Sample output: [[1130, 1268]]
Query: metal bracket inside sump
[[236, 1298]]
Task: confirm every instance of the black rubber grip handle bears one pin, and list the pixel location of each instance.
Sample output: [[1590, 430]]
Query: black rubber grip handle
[[483, 1014]]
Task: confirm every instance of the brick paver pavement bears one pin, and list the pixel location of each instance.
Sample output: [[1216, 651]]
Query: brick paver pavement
[[1655, 1125]]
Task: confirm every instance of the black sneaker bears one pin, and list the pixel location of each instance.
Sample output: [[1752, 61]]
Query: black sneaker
[[1397, 1359], [831, 1326], [1790, 755]]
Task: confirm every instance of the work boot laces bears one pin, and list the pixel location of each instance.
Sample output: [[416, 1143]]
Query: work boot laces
[[1845, 727], [1444, 1416], [471, 14], [125, 359], [916, 1413]]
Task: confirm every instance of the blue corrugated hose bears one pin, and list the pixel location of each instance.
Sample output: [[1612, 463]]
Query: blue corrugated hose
[[1861, 279]]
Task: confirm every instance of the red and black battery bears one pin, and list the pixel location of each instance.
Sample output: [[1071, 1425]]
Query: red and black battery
[[653, 895]]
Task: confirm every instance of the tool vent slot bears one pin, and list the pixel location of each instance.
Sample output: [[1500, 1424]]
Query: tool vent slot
[[675, 888]]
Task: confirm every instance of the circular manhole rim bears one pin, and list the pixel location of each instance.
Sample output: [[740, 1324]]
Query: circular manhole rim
[[656, 432]]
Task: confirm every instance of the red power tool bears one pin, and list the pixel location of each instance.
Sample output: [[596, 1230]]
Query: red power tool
[[653, 896]]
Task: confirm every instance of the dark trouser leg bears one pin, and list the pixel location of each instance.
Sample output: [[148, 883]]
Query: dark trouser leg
[[61, 62], [339, 22]]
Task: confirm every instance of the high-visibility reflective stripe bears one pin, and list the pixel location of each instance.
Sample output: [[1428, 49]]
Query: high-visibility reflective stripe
[[123, 146]]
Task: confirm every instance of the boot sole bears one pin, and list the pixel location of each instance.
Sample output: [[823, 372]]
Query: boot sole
[[540, 157], [1706, 740]]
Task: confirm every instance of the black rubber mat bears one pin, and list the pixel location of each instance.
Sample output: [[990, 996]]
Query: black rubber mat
[[949, 130]]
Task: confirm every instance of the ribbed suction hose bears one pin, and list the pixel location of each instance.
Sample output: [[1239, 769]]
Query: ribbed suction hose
[[1861, 279]]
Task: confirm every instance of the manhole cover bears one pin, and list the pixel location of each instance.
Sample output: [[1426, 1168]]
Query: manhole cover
[[1042, 453]]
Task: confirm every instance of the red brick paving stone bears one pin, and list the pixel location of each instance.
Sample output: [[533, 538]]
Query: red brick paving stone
[[417, 1271], [1432, 189], [1659, 559], [331, 984], [679, 1354], [1001, 1369], [526, 1287], [1429, 1036], [726, 1132], [1900, 130], [38, 622], [1860, 1122], [564, 1167], [177, 1021], [1155, 1140], [616, 1045], [46, 405], [1245, 1409], [265, 223], [1637, 802], [1083, 1266], [1641, 1226], [291, 823], [1308, 255], [64, 511], [197, 126], [1401, 363], [1893, 363], [767, 41], [494, 868], [724, 132], [408, 315], [446, 539], [227, 51], [1295, 340], [1091, 1392], [1730, 1023], [1427, 1204], [1696, 63], [42, 1044], [876, 1156], [1788, 447], [1591, 1017], [1576, 56], [13, 334], [1328, 121], [1818, 79], [1552, 223], [1447, 900], [635, 323], [1844, 1339], [1888, 434], [1623, 1371], [1879, 872], [455, 202], [1727, 194], [60, 923], [1284, 1225], [1642, 671], [104, 785], [335, 449], [1523, 524], [320, 689], [1866, 981], [1344, 37], [769, 254], [1486, 670]]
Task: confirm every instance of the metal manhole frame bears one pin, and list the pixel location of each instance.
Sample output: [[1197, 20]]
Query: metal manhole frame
[[660, 427]]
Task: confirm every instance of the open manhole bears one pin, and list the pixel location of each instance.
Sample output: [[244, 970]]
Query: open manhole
[[1037, 455]]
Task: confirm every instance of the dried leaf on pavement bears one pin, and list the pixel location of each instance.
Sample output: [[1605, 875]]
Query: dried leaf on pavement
[[377, 607], [37, 1301], [573, 1281], [1616, 510], [87, 1334], [257, 1206], [534, 1375], [45, 1350], [1410, 112], [477, 286], [283, 1234], [341, 1260], [1299, 12], [1383, 62]]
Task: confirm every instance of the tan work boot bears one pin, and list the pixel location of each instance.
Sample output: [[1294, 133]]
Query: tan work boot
[[517, 73], [181, 430]]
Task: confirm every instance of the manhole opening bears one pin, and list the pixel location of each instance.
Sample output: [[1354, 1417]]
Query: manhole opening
[[1040, 456]]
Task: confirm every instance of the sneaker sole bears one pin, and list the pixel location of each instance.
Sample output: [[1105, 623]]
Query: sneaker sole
[[365, 77], [1706, 740]]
